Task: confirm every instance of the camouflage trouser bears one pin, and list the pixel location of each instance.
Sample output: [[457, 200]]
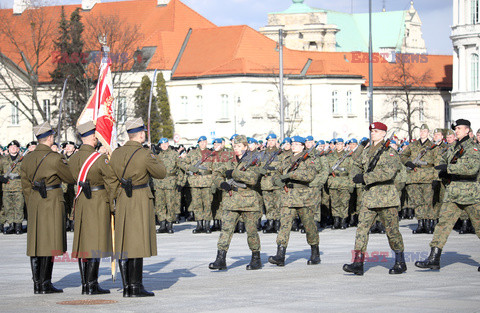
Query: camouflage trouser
[[340, 199], [178, 201], [359, 191], [217, 205], [229, 222], [325, 197], [13, 206], [271, 199], [388, 217], [449, 214], [202, 203], [438, 194], [286, 219], [420, 197], [165, 204], [317, 207]]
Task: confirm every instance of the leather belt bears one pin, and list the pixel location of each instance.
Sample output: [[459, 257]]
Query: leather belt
[[97, 188], [462, 178], [140, 186], [51, 187]]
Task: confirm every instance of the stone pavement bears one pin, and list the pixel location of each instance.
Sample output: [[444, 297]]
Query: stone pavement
[[182, 282]]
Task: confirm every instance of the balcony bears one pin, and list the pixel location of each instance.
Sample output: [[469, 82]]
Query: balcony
[[465, 31], [465, 97]]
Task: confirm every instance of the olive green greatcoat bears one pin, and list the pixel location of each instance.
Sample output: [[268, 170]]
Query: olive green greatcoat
[[46, 217], [92, 234], [135, 235]]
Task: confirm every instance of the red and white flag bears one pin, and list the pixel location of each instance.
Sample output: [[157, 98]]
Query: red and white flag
[[100, 108]]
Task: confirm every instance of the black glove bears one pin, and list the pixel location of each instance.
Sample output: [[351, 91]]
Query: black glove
[[3, 180], [365, 143], [441, 167], [358, 179], [444, 175], [178, 188], [225, 186], [228, 174], [410, 165]]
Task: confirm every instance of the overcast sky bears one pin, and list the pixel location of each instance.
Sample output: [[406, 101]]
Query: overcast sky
[[436, 15]]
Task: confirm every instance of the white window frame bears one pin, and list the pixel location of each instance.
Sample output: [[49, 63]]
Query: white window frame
[[121, 110], [335, 108], [474, 72], [474, 11], [14, 117], [224, 108], [349, 103], [46, 109], [184, 105]]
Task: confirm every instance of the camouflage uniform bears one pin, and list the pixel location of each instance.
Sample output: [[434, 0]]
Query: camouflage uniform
[[270, 192], [380, 197], [166, 198], [316, 186], [419, 180], [438, 184], [200, 183], [12, 191], [219, 159], [240, 202], [297, 199], [340, 185], [462, 194]]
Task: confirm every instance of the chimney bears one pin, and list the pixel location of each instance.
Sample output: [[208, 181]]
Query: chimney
[[87, 5], [20, 5], [162, 3]]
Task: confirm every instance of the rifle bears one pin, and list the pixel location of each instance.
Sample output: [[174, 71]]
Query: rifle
[[340, 161], [199, 163], [271, 159], [297, 163], [418, 161], [60, 109], [374, 161], [457, 155], [14, 164], [252, 161], [150, 107]]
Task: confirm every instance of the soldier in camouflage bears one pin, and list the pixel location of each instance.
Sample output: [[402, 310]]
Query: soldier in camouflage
[[316, 186], [437, 185], [238, 180], [295, 174], [12, 189], [377, 169], [460, 166]]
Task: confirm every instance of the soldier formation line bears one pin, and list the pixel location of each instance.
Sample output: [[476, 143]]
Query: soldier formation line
[[299, 184]]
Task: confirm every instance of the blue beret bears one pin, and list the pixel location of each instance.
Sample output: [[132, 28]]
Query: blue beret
[[321, 142], [353, 140], [202, 138], [287, 139], [271, 136], [337, 140], [333, 140], [251, 140], [393, 141], [298, 139], [217, 140], [162, 140], [363, 139], [309, 138], [233, 137]]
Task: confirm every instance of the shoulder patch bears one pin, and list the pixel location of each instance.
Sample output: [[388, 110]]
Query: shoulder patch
[[391, 154], [475, 149]]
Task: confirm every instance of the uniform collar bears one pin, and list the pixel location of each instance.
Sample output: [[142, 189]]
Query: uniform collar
[[133, 143]]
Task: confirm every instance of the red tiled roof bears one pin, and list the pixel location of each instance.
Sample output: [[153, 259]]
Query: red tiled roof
[[164, 27]]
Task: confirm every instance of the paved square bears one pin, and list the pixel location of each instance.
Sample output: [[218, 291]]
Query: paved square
[[182, 282]]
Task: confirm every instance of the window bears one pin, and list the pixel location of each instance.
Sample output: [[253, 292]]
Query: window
[[224, 107], [421, 111], [184, 104], [335, 103], [367, 110], [46, 109], [198, 107], [395, 111], [474, 11], [121, 110], [349, 103], [474, 72], [14, 116]]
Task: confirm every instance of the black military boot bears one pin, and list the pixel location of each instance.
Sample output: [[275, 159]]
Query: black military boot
[[354, 220], [46, 269], [373, 229], [294, 225], [380, 227], [72, 225], [430, 226], [82, 264], [464, 227], [241, 227], [10, 229], [403, 214], [315, 256], [269, 228], [433, 260], [336, 222], [190, 217], [135, 271], [301, 227], [220, 225], [18, 228], [92, 287], [410, 214], [169, 226], [357, 266], [220, 262], [214, 226], [343, 223], [35, 264], [276, 225], [123, 265], [255, 262], [2, 228], [162, 229], [400, 265], [177, 219], [278, 259], [199, 228], [206, 227], [420, 228]]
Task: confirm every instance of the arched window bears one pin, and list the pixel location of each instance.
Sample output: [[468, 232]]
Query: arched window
[[474, 72]]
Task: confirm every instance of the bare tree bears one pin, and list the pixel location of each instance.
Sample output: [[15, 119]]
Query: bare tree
[[406, 98], [28, 47]]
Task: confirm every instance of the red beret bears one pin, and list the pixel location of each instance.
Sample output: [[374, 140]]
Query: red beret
[[378, 125]]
